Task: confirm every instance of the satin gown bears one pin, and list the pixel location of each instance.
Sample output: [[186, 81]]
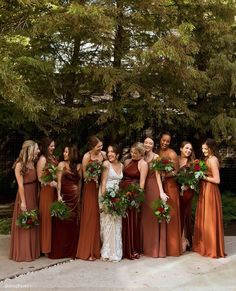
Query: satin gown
[[89, 244], [208, 239], [25, 246], [65, 233], [46, 197], [153, 233], [131, 223]]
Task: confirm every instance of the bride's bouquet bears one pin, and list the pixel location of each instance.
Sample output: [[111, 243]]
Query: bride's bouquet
[[161, 210], [93, 172], [114, 202], [49, 173], [134, 194]]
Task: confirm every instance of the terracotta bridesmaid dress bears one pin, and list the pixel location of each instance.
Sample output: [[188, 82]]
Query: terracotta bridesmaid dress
[[46, 197], [25, 245], [208, 237], [153, 233], [89, 238], [131, 223]]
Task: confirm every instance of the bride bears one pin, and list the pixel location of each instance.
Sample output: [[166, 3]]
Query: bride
[[111, 226]]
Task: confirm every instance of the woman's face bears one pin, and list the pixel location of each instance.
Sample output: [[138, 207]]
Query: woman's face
[[186, 150], [206, 150], [51, 148], [148, 144], [112, 156], [98, 147], [135, 155], [165, 142], [36, 151], [66, 154]]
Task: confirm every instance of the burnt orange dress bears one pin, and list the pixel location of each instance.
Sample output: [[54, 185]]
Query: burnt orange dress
[[25, 245], [65, 233], [46, 197], [153, 233], [173, 240], [208, 237], [131, 223], [89, 238]]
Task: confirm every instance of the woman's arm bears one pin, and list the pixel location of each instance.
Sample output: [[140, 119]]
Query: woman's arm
[[214, 166], [104, 177], [59, 176], [20, 183], [159, 183], [40, 166], [85, 162], [143, 168], [79, 170], [174, 158]]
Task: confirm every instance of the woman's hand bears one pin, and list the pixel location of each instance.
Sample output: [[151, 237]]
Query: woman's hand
[[53, 184], [59, 198], [163, 196], [23, 206]]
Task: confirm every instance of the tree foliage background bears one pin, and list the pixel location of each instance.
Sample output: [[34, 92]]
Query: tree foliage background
[[115, 68]]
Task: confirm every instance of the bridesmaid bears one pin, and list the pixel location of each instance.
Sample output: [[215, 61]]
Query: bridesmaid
[[65, 233], [135, 171], [174, 241], [186, 157], [47, 194], [111, 226], [25, 245], [153, 233], [89, 239], [208, 237]]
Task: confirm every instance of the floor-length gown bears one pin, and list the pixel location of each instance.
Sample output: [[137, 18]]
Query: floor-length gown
[[186, 214], [173, 234], [65, 232], [25, 246], [131, 223], [46, 197], [89, 244], [153, 233], [208, 239], [111, 226]]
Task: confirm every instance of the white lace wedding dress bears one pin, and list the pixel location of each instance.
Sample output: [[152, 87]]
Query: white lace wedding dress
[[111, 226]]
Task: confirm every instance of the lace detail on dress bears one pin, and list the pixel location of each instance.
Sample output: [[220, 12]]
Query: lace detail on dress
[[111, 226]]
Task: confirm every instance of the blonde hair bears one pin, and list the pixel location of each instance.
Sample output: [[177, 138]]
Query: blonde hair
[[138, 146], [26, 155]]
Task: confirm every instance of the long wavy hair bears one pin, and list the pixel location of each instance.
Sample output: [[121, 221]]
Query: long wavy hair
[[73, 157], [44, 144], [191, 158], [26, 155]]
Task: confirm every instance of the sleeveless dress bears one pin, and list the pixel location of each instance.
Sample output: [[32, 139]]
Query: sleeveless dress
[[89, 244], [131, 223], [153, 233], [25, 245], [208, 239], [46, 197], [186, 199], [65, 233], [111, 226]]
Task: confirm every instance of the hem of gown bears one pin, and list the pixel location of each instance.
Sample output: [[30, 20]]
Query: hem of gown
[[203, 254], [24, 260]]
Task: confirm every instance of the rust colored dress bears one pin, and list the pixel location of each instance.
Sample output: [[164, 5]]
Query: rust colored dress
[[89, 238], [173, 239], [186, 214], [46, 197], [153, 233], [131, 223], [65, 233], [25, 245], [208, 237]]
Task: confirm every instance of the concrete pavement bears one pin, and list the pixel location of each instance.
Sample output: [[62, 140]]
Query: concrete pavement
[[187, 272]]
